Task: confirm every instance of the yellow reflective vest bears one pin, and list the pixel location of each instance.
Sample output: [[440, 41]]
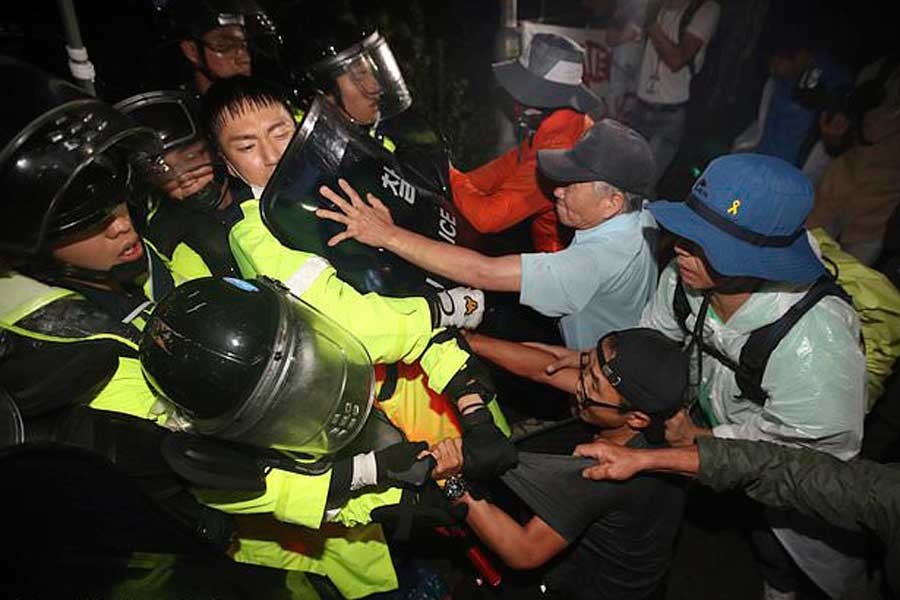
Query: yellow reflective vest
[[357, 562]]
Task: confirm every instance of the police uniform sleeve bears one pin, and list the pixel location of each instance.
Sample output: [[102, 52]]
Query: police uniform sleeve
[[391, 329], [300, 500]]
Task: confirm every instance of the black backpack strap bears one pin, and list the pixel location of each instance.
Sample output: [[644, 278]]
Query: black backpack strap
[[686, 17], [680, 306], [763, 341]]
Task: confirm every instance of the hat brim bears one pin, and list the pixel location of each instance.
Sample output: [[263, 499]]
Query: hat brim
[[559, 166], [734, 257], [529, 89]]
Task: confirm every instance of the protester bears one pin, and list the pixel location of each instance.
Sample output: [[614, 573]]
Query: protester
[[803, 110], [677, 37], [858, 193], [600, 283], [613, 541], [852, 494], [743, 262], [551, 102]]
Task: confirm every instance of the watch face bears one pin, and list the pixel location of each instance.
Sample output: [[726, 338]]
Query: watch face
[[455, 487]]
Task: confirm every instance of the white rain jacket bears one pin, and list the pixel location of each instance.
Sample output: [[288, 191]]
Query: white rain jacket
[[816, 380]]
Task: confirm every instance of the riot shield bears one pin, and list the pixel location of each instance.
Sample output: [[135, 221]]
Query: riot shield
[[327, 147]]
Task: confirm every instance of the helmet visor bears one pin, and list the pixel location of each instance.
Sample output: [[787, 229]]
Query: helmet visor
[[372, 71], [77, 146], [314, 394]]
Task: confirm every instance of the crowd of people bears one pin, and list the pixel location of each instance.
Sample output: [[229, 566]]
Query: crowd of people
[[272, 304]]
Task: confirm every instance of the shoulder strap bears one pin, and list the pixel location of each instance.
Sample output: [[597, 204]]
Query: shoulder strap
[[686, 17], [680, 306], [763, 341]]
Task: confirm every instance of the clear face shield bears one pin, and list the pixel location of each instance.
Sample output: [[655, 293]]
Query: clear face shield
[[193, 175], [368, 80], [188, 171], [63, 164], [314, 390]]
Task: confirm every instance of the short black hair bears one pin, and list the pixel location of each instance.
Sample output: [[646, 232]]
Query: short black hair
[[229, 98]]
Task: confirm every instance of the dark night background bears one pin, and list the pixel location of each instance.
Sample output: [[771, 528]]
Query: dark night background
[[445, 49]]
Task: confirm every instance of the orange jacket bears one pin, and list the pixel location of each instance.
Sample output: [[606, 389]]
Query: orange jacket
[[505, 191]]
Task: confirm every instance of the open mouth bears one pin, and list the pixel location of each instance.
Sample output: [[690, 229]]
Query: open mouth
[[132, 252]]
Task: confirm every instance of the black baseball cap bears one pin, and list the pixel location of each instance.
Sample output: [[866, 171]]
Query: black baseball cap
[[649, 370], [609, 151]]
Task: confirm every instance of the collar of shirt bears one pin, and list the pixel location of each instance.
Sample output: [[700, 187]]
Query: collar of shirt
[[618, 223]]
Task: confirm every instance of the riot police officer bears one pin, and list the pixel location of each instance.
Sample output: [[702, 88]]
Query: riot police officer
[[188, 221], [221, 38]]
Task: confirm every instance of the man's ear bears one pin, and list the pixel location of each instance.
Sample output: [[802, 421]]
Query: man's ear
[[637, 419], [617, 201], [191, 51]]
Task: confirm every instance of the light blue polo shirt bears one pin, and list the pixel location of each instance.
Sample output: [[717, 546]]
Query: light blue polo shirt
[[600, 283]]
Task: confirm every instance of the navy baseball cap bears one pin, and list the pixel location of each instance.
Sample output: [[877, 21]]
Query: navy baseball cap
[[609, 151], [649, 370], [747, 212]]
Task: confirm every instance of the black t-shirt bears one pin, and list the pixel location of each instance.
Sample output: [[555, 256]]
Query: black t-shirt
[[620, 534]]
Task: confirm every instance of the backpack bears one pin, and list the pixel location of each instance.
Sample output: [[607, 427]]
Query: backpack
[[751, 365]]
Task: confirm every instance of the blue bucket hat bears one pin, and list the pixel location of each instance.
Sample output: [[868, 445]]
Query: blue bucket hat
[[747, 212]]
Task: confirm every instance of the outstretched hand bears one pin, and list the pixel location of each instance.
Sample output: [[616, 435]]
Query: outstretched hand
[[369, 222], [615, 462]]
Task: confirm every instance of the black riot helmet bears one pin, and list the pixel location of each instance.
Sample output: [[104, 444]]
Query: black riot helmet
[[188, 158], [67, 160], [359, 54], [251, 363], [192, 19]]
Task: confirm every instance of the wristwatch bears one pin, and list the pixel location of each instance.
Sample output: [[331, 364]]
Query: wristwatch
[[455, 487]]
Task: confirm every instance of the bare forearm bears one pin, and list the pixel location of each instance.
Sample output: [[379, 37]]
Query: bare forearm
[[503, 535], [454, 262], [523, 360], [673, 55]]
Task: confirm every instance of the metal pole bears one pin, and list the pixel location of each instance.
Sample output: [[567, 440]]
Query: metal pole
[[79, 64], [506, 46]]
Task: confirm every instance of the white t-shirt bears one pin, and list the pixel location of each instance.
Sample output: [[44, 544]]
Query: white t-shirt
[[657, 83]]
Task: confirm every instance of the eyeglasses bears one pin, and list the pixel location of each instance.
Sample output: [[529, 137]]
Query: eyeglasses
[[231, 45], [582, 399]]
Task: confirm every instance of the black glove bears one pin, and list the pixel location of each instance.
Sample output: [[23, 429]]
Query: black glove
[[487, 453], [398, 465], [425, 508]]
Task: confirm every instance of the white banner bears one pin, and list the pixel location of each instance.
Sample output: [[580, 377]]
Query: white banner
[[611, 73]]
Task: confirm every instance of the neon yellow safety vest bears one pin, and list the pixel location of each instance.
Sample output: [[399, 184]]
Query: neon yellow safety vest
[[358, 563]]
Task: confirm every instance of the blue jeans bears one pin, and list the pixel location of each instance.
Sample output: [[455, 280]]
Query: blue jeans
[[663, 126]]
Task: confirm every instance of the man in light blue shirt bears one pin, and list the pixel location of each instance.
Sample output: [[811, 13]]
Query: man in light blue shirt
[[600, 283]]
